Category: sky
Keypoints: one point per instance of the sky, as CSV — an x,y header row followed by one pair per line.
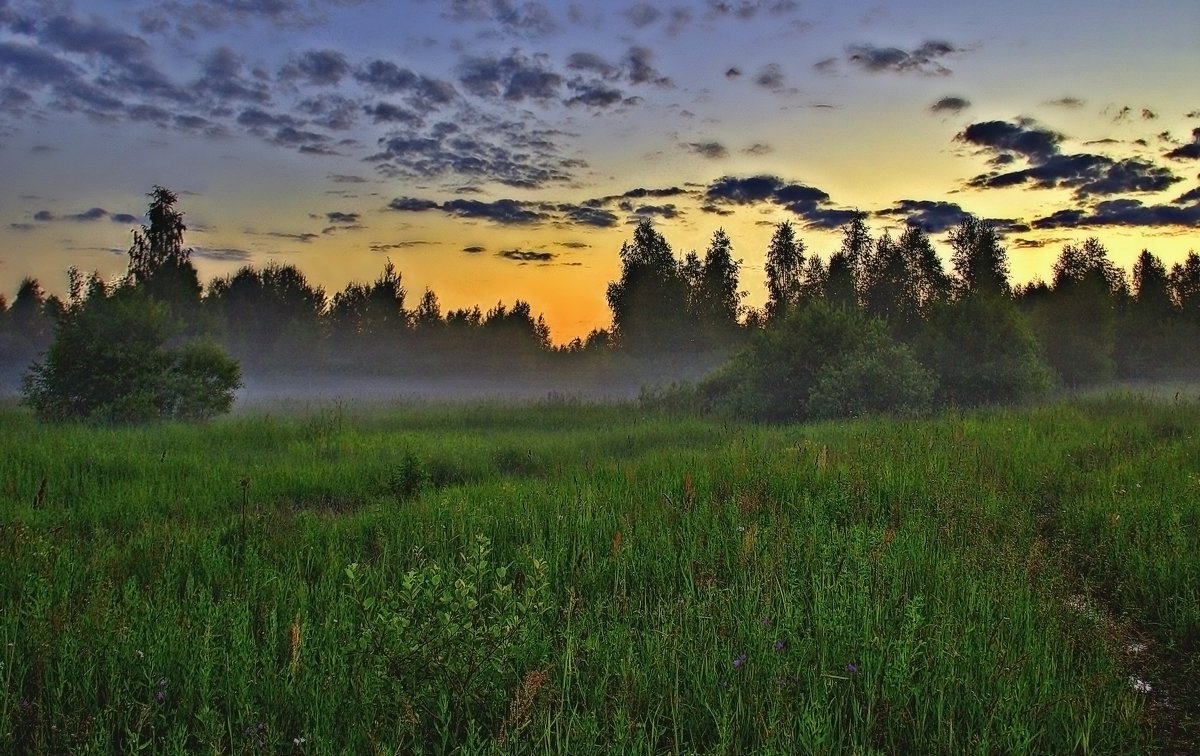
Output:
x,y
498,149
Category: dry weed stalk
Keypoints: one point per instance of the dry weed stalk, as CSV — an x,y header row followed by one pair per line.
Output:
x,y
296,642
520,708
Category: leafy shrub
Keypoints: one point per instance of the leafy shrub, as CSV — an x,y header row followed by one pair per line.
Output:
x,y
110,361
886,379
813,363
445,647
983,351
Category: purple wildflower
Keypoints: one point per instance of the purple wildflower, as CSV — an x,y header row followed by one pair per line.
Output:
x,y
765,621
780,644
739,661
852,669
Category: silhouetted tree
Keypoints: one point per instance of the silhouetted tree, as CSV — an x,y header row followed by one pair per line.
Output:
x,y
369,321
814,286
856,247
1185,287
980,262
28,329
649,302
270,316
514,332
161,264
785,271
1150,329
927,281
888,293
1076,324
713,297
840,285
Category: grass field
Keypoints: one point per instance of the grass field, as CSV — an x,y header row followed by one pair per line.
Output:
x,y
570,578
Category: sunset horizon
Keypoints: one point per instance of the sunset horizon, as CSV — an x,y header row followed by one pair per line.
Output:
x,y
496,151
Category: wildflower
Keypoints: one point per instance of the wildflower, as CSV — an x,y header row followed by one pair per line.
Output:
x,y
780,644
26,706
739,661
161,696
852,669
298,742
765,621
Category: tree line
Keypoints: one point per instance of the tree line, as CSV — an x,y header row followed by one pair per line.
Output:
x,y
880,325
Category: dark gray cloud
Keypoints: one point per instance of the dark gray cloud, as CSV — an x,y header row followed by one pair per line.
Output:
x,y
710,150
505,212
748,9
809,203
423,93
94,37
758,148
826,65
593,94
85,216
515,77
34,65
1023,138
642,15
638,61
770,77
303,238
527,255
525,19
1188,197
330,111
386,112
733,72
1187,151
590,62
91,214
1123,212
474,249
224,77
1087,175
222,254
667,211
507,152
925,59
1072,103
950,104
584,215
342,218
938,216
412,205
321,68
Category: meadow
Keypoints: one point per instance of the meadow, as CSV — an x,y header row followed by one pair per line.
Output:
x,y
560,577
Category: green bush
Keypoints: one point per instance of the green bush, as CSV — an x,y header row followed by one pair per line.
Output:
x,y
444,647
819,361
983,352
885,379
109,361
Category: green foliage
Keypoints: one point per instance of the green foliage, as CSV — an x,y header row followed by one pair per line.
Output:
x,y
110,361
982,351
880,378
809,365
445,646
967,583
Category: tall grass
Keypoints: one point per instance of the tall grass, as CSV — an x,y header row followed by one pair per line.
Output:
x,y
573,578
